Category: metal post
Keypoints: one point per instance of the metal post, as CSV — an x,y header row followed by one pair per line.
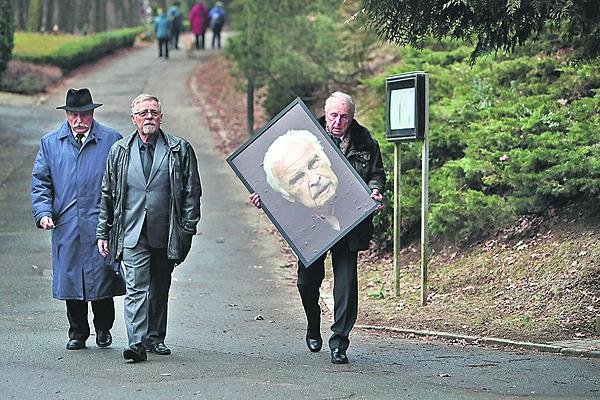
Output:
x,y
424,218
397,217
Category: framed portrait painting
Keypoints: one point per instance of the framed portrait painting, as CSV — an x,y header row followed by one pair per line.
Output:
x,y
308,189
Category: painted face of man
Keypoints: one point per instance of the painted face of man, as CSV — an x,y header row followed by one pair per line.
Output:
x,y
148,117
80,122
306,175
338,117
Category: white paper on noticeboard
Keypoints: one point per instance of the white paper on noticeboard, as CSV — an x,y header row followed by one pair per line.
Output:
x,y
402,109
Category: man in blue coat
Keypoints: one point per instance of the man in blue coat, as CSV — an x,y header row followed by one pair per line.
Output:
x,y
65,198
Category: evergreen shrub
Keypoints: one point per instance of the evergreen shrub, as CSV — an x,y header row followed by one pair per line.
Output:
x,y
76,51
509,135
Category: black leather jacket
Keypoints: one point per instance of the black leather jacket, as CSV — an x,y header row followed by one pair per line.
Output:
x,y
184,205
364,155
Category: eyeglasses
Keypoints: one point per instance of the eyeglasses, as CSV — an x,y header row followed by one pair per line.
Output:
x,y
144,113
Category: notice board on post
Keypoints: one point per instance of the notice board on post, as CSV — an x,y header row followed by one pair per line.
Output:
x,y
407,106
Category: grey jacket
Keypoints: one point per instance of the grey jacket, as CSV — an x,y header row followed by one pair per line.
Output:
x,y
184,205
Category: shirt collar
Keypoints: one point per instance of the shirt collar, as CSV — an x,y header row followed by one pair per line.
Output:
x,y
85,135
151,142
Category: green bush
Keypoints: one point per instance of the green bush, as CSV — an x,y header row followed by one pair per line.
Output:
x,y
512,134
6,33
80,50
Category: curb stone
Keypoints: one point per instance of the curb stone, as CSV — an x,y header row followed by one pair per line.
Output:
x,y
548,348
567,348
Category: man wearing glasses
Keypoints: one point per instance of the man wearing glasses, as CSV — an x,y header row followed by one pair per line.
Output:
x,y
149,210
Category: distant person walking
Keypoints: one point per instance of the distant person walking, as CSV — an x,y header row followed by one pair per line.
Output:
x,y
162,30
217,20
176,18
65,198
199,23
149,211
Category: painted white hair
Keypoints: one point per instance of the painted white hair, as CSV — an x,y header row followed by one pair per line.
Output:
x,y
278,150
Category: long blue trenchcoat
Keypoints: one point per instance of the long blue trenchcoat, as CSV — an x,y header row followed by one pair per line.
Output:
x,y
65,186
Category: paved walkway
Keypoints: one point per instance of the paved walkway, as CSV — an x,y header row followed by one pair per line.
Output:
x,y
221,348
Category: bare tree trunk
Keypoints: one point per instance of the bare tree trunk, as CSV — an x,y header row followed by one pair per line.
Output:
x,y
20,14
55,10
66,16
133,17
34,15
100,15
84,15
44,23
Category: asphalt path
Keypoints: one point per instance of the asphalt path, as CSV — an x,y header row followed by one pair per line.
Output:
x,y
236,326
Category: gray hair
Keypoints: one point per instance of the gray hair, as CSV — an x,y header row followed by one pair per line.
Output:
x,y
141,98
278,151
346,98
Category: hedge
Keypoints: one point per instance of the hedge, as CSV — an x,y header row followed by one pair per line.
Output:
x,y
80,50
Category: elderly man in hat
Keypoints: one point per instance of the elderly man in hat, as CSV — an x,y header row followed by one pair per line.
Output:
x,y
65,198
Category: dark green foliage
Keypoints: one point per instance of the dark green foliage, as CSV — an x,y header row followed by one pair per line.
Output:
x,y
289,48
6,33
490,25
508,136
91,48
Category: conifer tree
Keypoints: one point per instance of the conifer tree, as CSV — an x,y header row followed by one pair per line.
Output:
x,y
6,33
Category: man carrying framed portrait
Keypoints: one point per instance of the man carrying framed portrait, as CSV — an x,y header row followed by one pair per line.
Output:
x,y
297,167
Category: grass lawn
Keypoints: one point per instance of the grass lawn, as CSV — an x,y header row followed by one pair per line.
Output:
x,y
30,44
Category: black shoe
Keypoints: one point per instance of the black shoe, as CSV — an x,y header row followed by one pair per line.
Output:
x,y
75,344
136,353
160,349
103,339
338,356
314,344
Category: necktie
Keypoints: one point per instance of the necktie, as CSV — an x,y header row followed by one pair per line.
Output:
x,y
146,150
80,140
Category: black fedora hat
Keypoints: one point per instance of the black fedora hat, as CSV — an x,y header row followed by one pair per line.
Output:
x,y
79,100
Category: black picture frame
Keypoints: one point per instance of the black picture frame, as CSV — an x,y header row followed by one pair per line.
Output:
x,y
307,232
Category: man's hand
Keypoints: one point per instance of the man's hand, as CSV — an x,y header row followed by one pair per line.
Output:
x,y
103,247
377,196
47,223
255,200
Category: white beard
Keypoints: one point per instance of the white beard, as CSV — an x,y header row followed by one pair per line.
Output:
x,y
149,129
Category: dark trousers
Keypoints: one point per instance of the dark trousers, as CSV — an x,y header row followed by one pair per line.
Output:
x,y
163,47
216,39
345,293
200,42
77,314
148,280
175,37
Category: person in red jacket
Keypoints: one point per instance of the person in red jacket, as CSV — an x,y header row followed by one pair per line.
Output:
x,y
199,23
